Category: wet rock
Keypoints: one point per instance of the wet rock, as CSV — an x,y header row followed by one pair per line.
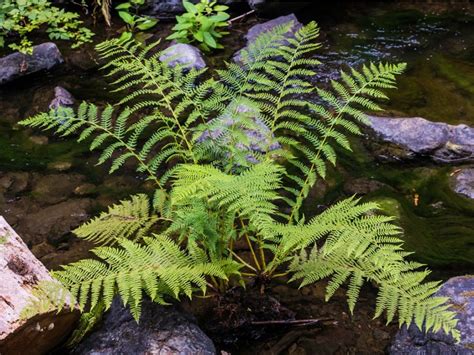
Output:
x,y
168,9
161,330
183,54
45,56
85,189
55,188
39,140
257,30
463,182
362,186
412,341
62,98
14,182
419,137
277,6
60,165
55,223
19,272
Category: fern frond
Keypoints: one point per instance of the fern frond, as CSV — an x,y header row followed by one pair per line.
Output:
x,y
159,268
131,219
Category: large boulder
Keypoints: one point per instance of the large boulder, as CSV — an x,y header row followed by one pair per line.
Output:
x,y
260,28
418,137
45,56
20,272
412,341
161,330
463,182
183,54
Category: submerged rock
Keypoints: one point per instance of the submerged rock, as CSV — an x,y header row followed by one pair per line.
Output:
x,y
412,341
260,28
184,54
418,137
161,330
62,98
463,182
45,56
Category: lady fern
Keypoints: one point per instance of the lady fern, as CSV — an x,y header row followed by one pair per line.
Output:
x,y
233,157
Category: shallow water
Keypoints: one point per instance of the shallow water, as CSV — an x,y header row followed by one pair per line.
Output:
x,y
439,85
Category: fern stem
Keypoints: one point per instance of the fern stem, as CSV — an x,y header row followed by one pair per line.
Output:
x,y
243,261
254,256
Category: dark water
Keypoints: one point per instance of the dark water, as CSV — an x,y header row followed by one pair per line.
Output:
x,y
438,85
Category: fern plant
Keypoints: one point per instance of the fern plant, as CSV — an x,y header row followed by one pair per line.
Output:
x,y
233,156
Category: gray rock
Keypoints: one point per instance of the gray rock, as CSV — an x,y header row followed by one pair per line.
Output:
x,y
412,341
62,98
161,330
168,9
257,132
260,28
419,137
184,54
463,182
45,56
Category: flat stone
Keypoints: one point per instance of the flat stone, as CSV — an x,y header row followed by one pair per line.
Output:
x,y
55,223
55,188
463,182
419,137
45,57
161,330
412,341
183,54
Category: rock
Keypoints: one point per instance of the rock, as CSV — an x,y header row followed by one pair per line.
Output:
x,y
45,56
39,140
412,341
257,30
55,188
258,136
85,189
362,186
161,330
419,137
14,182
60,165
54,223
62,98
20,271
277,6
168,9
184,54
463,182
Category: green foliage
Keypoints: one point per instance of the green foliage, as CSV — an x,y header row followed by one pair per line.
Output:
x,y
214,186
129,219
202,23
21,17
135,23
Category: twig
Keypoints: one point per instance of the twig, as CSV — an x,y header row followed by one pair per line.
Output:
x,y
300,322
241,16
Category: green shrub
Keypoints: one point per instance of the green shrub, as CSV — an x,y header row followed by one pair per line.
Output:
x,y
128,12
214,187
21,17
201,23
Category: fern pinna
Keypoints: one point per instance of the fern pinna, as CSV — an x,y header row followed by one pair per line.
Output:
x,y
233,157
